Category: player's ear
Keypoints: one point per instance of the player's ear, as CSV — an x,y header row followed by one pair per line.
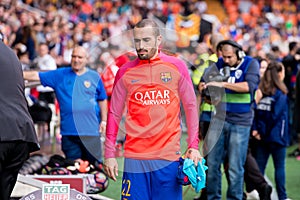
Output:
x,y
159,40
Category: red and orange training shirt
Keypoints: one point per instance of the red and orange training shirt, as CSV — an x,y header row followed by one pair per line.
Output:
x,y
151,92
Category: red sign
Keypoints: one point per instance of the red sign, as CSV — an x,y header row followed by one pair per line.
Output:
x,y
77,182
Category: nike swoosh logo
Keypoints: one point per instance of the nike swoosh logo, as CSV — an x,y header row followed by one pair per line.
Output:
x,y
134,81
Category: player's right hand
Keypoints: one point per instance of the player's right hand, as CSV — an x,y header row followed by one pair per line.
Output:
x,y
111,168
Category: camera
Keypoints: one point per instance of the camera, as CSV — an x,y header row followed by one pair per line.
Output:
x,y
212,94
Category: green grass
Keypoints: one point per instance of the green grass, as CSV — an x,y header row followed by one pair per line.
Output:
x,y
292,179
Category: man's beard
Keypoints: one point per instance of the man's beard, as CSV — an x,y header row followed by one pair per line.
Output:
x,y
143,56
147,55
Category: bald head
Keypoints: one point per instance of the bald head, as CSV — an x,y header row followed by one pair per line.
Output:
x,y
79,59
80,50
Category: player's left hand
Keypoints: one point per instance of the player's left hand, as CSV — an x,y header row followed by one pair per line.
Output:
x,y
194,155
111,168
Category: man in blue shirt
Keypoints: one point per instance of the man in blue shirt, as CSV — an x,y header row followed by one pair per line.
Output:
x,y
83,106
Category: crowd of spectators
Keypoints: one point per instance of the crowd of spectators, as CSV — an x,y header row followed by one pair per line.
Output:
x,y
63,24
258,25
263,24
264,28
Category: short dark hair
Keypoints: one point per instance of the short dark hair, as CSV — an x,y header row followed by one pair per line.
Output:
x,y
275,48
148,23
292,45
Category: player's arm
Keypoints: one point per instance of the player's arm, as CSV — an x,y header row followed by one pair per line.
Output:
x,y
237,87
114,117
249,85
189,102
31,78
31,75
103,110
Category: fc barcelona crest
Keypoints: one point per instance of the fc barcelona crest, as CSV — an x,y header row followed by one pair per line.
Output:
x,y
87,84
165,76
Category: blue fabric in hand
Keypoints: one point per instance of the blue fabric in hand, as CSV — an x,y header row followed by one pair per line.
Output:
x,y
182,178
196,174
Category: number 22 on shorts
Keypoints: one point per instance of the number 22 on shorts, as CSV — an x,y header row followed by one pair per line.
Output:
x,y
126,189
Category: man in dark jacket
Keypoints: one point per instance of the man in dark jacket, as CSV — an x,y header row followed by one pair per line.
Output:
x,y
17,133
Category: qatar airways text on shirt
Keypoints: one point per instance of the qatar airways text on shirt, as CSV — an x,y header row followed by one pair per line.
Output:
x,y
153,97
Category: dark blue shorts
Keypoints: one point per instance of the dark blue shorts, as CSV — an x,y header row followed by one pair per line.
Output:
x,y
150,179
84,147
